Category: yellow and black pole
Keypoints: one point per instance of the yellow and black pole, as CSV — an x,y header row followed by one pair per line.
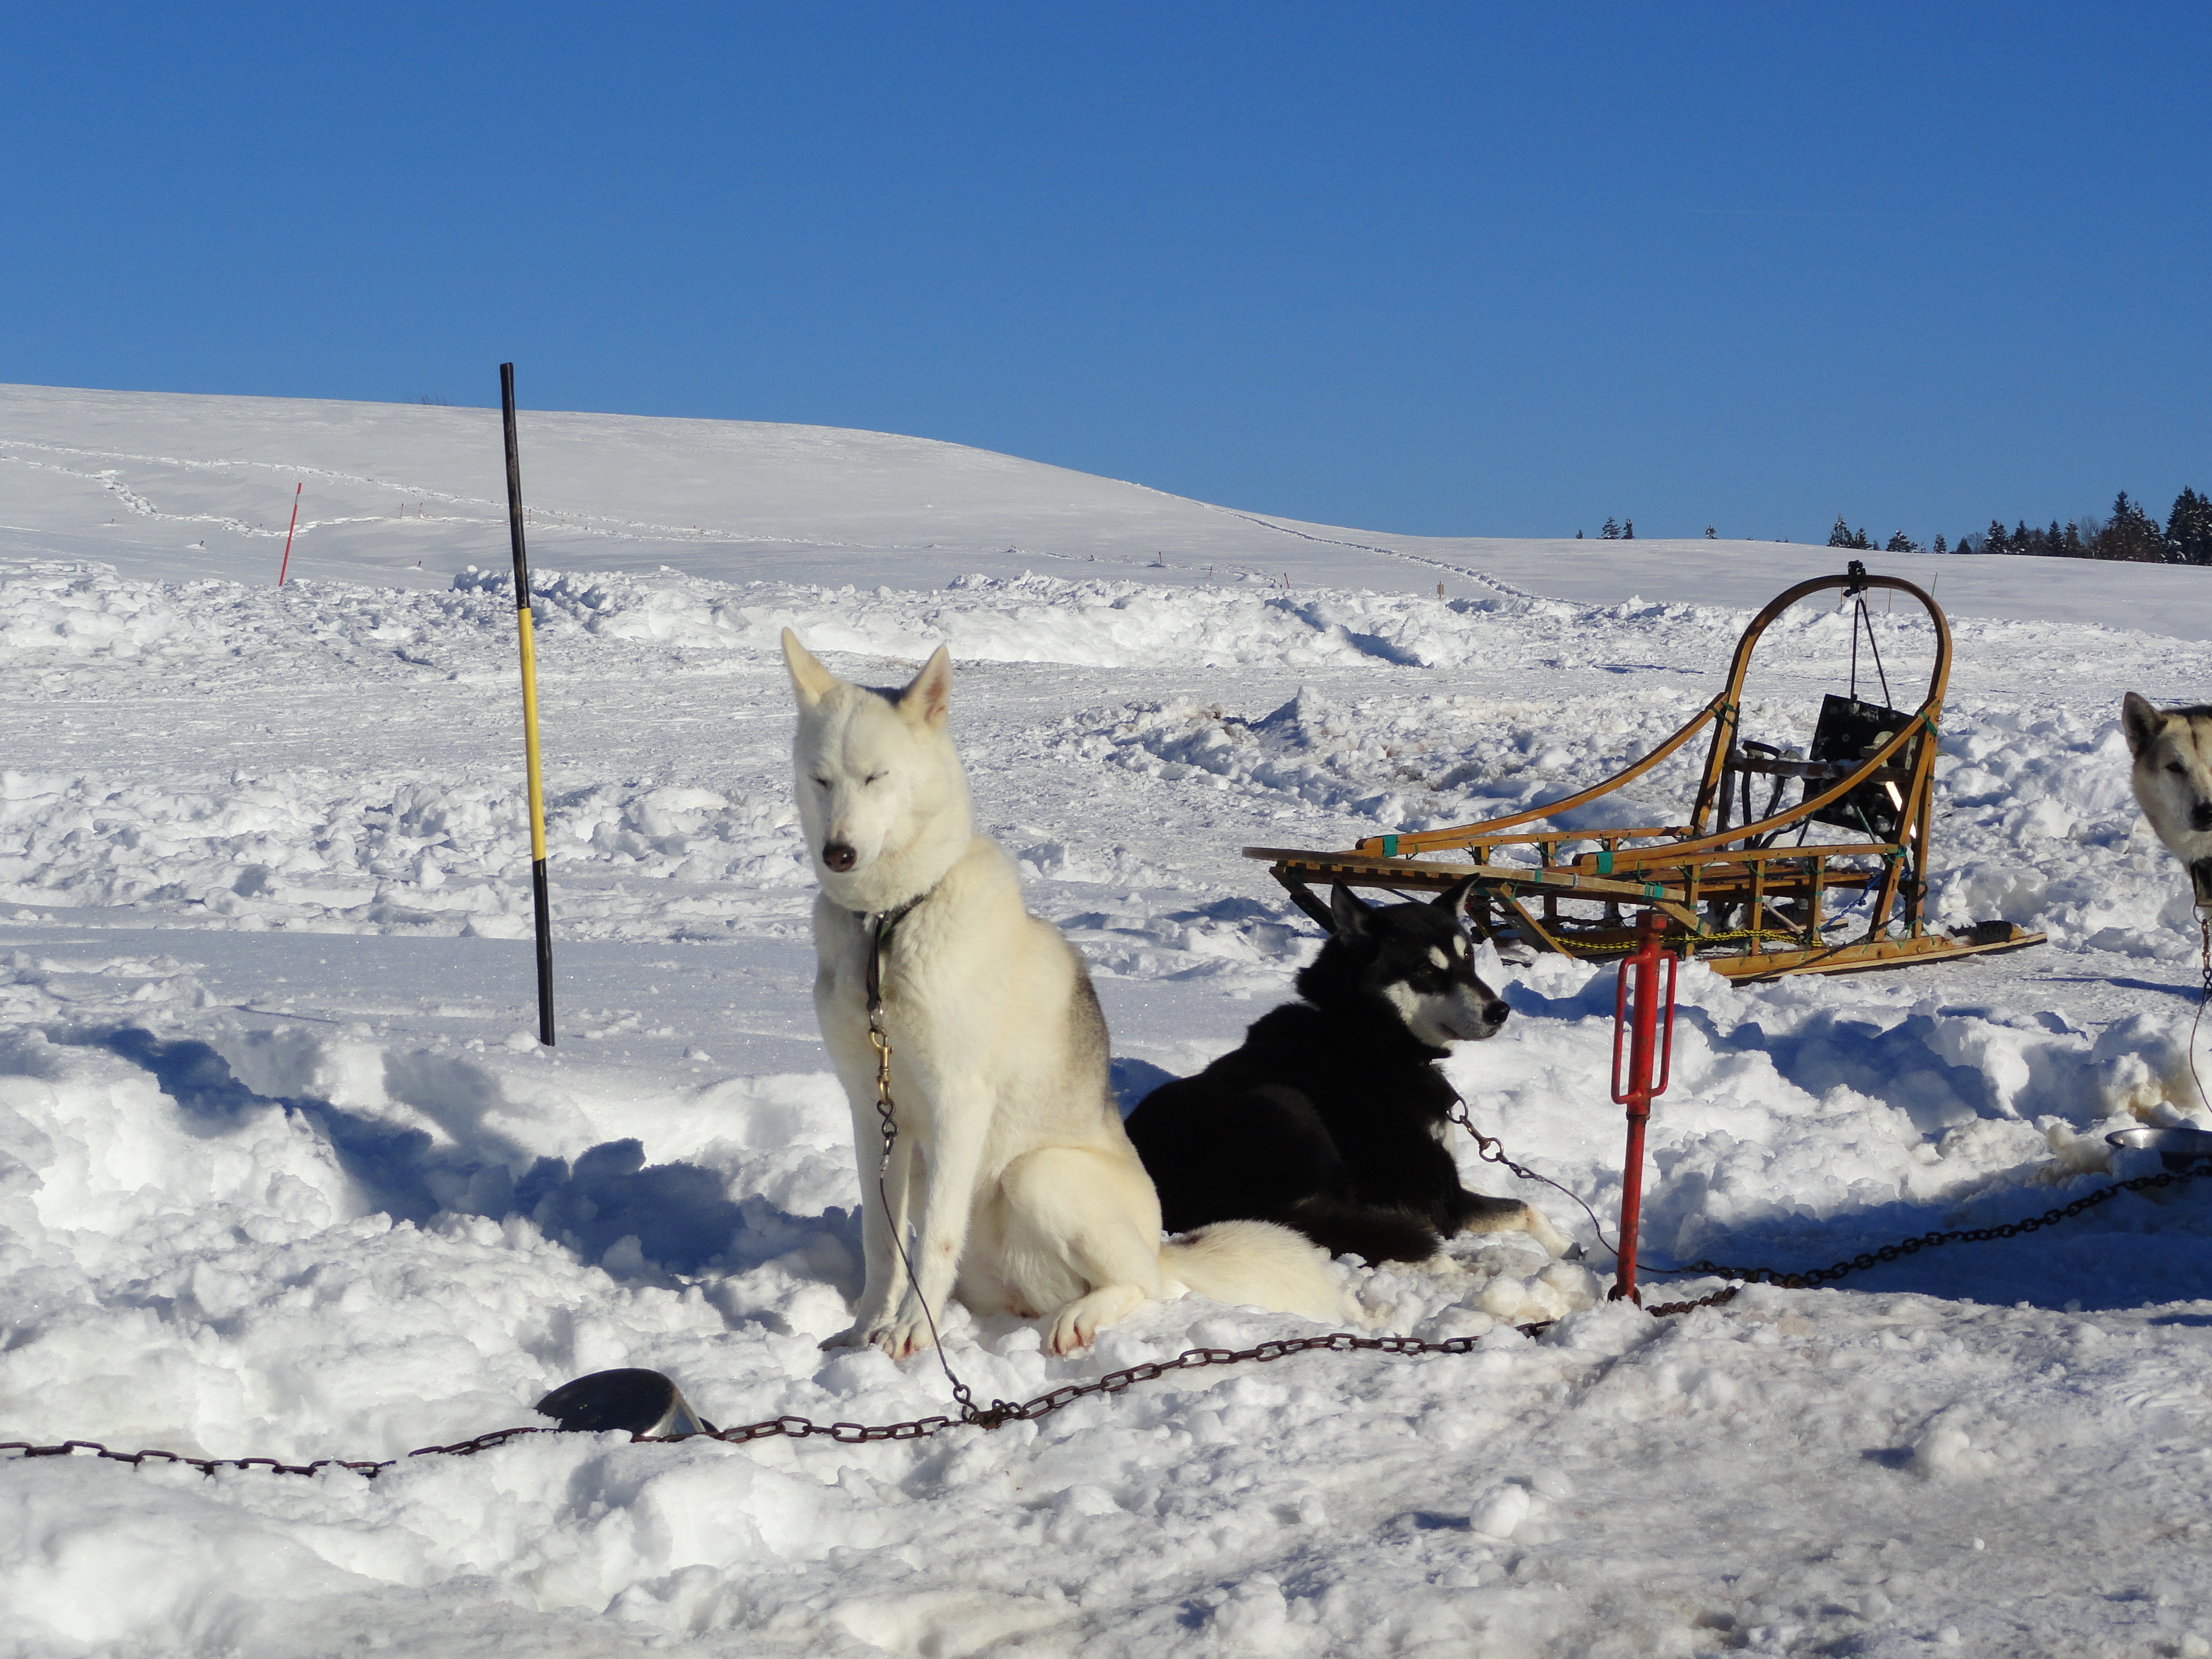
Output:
x,y
540,892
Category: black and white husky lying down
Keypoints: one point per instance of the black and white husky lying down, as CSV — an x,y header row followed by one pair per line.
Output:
x,y
1331,1118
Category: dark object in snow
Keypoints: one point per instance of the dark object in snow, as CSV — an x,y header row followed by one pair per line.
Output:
x,y
635,1401
2178,1149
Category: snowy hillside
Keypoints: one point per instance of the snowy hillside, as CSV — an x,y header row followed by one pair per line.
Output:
x,y
176,487
282,1170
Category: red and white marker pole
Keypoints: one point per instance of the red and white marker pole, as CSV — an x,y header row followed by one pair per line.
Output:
x,y
1637,1032
286,565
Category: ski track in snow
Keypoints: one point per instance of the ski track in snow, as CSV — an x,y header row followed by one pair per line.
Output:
x,y
282,1170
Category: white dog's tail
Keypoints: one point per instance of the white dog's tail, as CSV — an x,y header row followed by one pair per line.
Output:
x,y
1258,1264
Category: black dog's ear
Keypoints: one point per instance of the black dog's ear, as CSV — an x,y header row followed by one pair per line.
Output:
x,y
2140,722
1349,912
1453,899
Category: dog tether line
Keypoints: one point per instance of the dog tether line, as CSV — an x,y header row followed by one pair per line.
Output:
x,y
2200,883
1493,1151
880,924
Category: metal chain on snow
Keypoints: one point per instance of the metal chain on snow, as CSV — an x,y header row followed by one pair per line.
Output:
x,y
1810,1278
369,1468
998,1412
1002,1412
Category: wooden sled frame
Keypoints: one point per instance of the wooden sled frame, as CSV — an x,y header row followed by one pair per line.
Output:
x,y
1746,906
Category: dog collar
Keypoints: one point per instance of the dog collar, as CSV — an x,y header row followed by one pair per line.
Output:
x,y
879,924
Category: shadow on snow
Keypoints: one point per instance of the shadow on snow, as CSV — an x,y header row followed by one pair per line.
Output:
x,y
635,1219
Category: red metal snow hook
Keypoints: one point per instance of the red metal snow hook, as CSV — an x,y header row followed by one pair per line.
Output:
x,y
1639,1031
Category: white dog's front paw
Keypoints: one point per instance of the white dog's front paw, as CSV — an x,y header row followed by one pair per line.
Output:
x,y
897,1337
867,1329
1075,1326
1072,1329
902,1341
904,1335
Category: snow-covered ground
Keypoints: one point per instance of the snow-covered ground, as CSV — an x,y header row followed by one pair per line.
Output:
x,y
283,1172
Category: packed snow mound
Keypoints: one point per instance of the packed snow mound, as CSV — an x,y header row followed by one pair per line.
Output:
x,y
56,614
392,854
1030,618
1403,763
288,1188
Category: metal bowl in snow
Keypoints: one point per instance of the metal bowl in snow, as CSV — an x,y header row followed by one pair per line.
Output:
x,y
640,1401
2178,1149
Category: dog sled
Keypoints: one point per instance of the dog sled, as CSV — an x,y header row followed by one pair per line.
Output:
x,y
1832,882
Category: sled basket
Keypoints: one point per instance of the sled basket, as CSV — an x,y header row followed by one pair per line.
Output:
x,y
1751,896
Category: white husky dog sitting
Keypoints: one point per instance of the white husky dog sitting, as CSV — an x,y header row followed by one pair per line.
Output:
x,y
1022,1191
2172,778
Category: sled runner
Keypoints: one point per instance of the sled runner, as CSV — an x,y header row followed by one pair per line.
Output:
x,y
1752,897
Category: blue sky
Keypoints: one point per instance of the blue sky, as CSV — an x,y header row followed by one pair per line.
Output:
x,y
1447,270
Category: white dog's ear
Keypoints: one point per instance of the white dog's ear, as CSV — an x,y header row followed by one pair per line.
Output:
x,y
2140,722
810,680
927,700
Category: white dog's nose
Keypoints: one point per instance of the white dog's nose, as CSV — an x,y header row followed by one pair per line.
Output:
x,y
839,855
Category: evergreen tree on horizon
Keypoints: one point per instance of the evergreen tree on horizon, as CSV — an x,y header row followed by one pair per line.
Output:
x,y
2189,528
2131,534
